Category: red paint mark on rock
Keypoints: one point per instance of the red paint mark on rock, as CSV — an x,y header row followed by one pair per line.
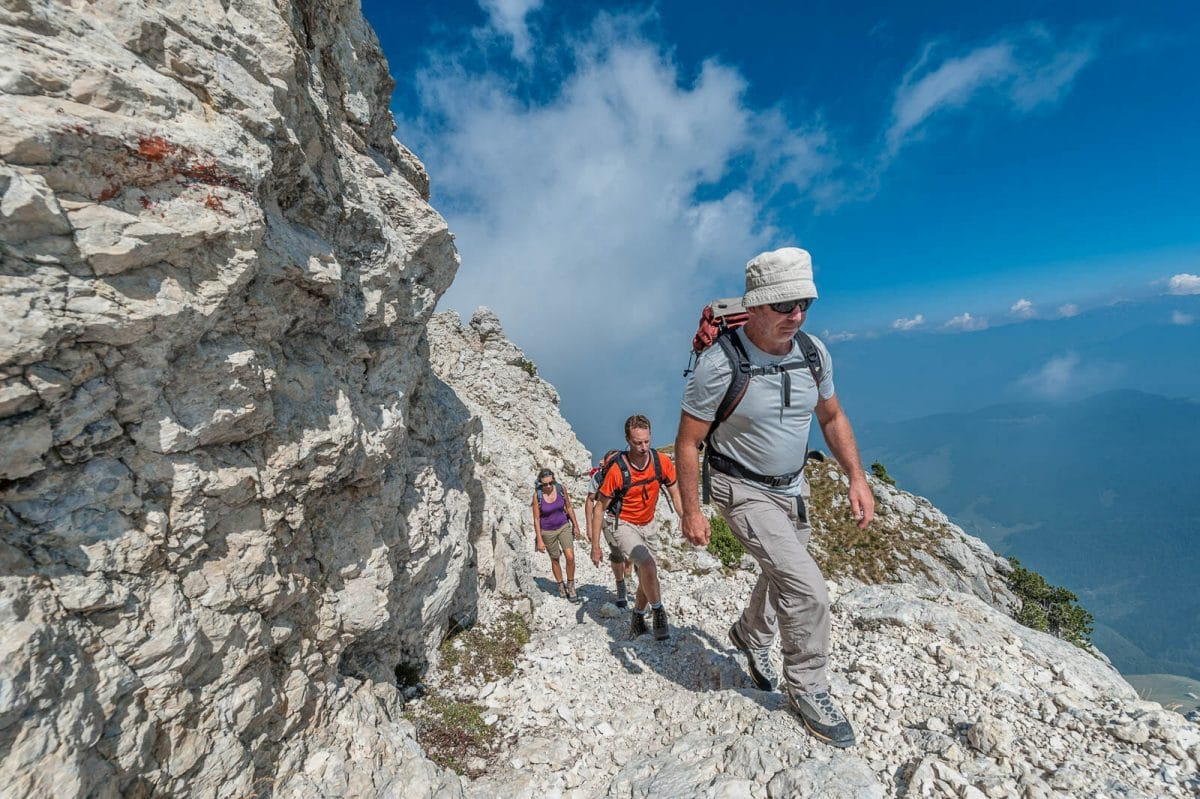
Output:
x,y
154,148
145,201
213,203
209,173
109,193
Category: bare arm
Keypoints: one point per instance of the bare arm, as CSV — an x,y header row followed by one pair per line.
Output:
x,y
537,525
588,505
598,508
571,514
676,499
835,426
692,520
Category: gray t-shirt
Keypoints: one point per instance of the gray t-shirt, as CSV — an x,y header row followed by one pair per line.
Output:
x,y
762,433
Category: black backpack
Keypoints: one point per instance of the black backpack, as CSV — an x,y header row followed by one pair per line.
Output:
x,y
718,323
620,461
742,371
731,344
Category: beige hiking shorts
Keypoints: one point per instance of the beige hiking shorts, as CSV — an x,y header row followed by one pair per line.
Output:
x,y
609,529
633,541
557,541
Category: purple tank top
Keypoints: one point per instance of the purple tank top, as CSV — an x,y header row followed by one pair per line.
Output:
x,y
554,514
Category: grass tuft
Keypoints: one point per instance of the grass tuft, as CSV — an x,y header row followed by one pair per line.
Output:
x,y
452,732
484,654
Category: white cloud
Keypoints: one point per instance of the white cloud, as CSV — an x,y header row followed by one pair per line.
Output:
x,y
1025,69
966,322
1054,378
1023,309
1181,318
1068,310
1184,284
507,18
609,210
909,324
1066,376
834,338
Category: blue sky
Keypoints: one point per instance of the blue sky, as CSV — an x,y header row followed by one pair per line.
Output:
x,y
951,167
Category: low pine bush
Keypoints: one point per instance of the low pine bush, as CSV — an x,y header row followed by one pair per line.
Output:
x,y
1049,608
723,544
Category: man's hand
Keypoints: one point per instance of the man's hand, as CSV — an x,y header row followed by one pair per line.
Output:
x,y
695,528
541,545
862,503
596,554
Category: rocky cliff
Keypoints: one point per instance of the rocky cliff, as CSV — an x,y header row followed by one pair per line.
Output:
x,y
248,482
235,495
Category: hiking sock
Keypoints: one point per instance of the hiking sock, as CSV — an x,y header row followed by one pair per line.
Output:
x,y
656,605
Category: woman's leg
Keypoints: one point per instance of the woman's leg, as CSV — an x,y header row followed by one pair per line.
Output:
x,y
554,567
570,554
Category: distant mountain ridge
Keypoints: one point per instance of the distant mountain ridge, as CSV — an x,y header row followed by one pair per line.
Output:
x,y
1097,494
1130,345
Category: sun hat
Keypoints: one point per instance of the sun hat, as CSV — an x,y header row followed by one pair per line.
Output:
x,y
778,276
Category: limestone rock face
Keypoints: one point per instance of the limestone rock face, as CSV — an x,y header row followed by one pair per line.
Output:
x,y
235,496
521,430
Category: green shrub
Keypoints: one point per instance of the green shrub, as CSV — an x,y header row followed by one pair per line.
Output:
x,y
452,732
529,366
483,654
881,472
723,544
1049,608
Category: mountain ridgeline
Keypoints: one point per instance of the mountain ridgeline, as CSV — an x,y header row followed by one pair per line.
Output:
x,y
1098,495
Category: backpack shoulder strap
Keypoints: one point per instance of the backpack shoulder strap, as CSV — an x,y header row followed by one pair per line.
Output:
x,y
812,357
617,498
739,362
658,472
618,461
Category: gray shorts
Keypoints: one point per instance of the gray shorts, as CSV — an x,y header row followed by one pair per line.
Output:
x,y
633,542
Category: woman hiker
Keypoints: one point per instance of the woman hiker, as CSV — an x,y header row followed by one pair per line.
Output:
x,y
552,512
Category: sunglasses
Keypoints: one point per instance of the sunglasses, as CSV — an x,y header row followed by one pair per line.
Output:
x,y
547,485
791,305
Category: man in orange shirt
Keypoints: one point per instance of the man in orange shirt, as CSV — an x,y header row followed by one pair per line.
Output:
x,y
629,491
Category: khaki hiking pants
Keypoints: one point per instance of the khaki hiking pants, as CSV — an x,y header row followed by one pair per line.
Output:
x,y
790,597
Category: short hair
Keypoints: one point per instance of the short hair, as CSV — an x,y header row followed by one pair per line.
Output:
x,y
636,422
545,473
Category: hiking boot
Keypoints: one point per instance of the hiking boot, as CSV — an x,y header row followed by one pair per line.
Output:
x,y
622,595
571,595
759,660
562,590
822,717
637,624
661,630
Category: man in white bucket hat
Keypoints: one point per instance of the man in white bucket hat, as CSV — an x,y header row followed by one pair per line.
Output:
x,y
751,401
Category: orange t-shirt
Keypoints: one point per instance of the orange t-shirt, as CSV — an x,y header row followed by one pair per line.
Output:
x,y
637,506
